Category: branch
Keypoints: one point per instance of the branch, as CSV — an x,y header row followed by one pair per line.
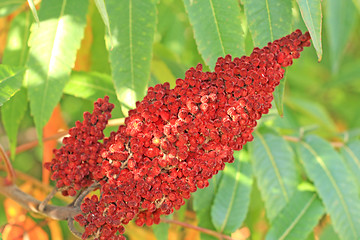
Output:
x,y
31,204
11,176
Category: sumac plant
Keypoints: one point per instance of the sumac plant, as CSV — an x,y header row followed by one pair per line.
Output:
x,y
215,149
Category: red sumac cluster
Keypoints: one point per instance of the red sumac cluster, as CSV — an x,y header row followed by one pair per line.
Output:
x,y
173,142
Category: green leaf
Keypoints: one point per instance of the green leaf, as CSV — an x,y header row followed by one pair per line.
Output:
x,y
357,4
90,86
16,48
9,6
298,218
100,5
203,200
10,82
279,96
233,196
33,10
275,171
161,231
268,19
335,185
217,28
312,16
53,47
340,20
328,233
12,112
351,153
162,72
132,24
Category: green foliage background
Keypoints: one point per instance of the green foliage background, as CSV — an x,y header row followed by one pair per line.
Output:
x,y
304,163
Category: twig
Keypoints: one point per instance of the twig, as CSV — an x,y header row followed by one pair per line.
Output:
x,y
81,197
31,204
200,229
72,228
43,204
11,176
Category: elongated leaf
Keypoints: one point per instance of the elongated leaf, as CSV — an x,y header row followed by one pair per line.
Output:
x,y
298,218
9,6
10,82
312,16
100,4
15,54
233,196
132,24
217,28
268,19
357,4
53,47
162,72
279,96
275,171
203,200
351,153
334,184
33,10
12,112
161,231
90,85
339,22
16,49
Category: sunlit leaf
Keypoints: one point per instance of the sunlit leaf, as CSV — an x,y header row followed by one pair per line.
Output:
x,y
335,185
10,82
275,171
233,196
33,10
53,47
217,28
100,4
132,24
268,19
298,218
312,16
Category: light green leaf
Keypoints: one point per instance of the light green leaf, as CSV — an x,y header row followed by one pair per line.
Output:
x,y
16,48
335,185
9,6
90,86
10,82
217,28
268,19
298,218
162,72
132,24
233,196
279,95
351,153
340,20
161,231
53,47
12,112
357,4
312,16
100,4
33,10
275,171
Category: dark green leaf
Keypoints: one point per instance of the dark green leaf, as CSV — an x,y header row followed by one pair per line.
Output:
x,y
53,47
132,24
217,28
9,6
16,49
10,82
340,19
275,171
268,19
312,16
351,153
334,184
233,196
12,112
298,218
